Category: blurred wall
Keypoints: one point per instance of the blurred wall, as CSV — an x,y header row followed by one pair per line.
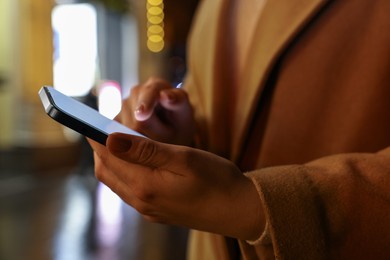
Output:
x,y
26,63
26,54
6,95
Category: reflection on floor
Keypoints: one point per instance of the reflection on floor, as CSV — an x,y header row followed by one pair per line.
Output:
x,y
69,215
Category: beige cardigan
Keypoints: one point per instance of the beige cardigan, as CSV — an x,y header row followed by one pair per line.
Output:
x,y
319,73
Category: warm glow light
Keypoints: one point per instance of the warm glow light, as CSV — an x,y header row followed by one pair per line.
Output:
x,y
155,46
75,45
155,29
110,99
155,25
155,38
155,20
155,10
155,2
109,216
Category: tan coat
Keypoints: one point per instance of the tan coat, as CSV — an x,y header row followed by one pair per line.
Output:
x,y
314,108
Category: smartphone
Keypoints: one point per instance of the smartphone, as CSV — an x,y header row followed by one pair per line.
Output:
x,y
80,117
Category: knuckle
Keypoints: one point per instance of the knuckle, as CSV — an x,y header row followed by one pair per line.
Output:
x,y
134,90
152,79
98,171
154,219
115,186
125,105
157,83
145,152
144,209
99,167
144,193
104,159
189,156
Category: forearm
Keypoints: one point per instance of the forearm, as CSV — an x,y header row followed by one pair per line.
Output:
x,y
330,205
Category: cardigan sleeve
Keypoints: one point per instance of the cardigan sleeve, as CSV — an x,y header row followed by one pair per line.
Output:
x,y
333,207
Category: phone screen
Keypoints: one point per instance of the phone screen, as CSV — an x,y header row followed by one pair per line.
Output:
x,y
80,117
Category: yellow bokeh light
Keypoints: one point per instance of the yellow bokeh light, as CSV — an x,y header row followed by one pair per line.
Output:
x,y
148,6
155,38
155,10
155,46
149,15
155,25
156,30
155,19
155,2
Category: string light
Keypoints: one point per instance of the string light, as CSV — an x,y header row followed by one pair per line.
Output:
x,y
155,25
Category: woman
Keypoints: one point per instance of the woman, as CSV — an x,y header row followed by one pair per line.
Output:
x,y
293,93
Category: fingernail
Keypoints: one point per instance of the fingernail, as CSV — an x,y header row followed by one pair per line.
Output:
x,y
140,109
119,144
139,112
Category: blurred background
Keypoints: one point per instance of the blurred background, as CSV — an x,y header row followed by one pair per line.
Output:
x,y
51,206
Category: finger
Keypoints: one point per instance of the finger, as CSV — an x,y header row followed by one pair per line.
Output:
x,y
111,180
148,97
123,178
130,182
174,99
144,205
118,117
96,147
138,150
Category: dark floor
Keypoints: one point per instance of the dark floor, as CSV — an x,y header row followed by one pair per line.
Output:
x,y
66,214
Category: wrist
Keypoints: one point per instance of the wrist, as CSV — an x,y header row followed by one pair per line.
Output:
x,y
243,214
250,212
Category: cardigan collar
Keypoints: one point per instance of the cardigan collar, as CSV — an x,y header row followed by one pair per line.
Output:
x,y
280,22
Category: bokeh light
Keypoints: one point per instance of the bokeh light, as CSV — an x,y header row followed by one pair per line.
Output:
x,y
155,25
